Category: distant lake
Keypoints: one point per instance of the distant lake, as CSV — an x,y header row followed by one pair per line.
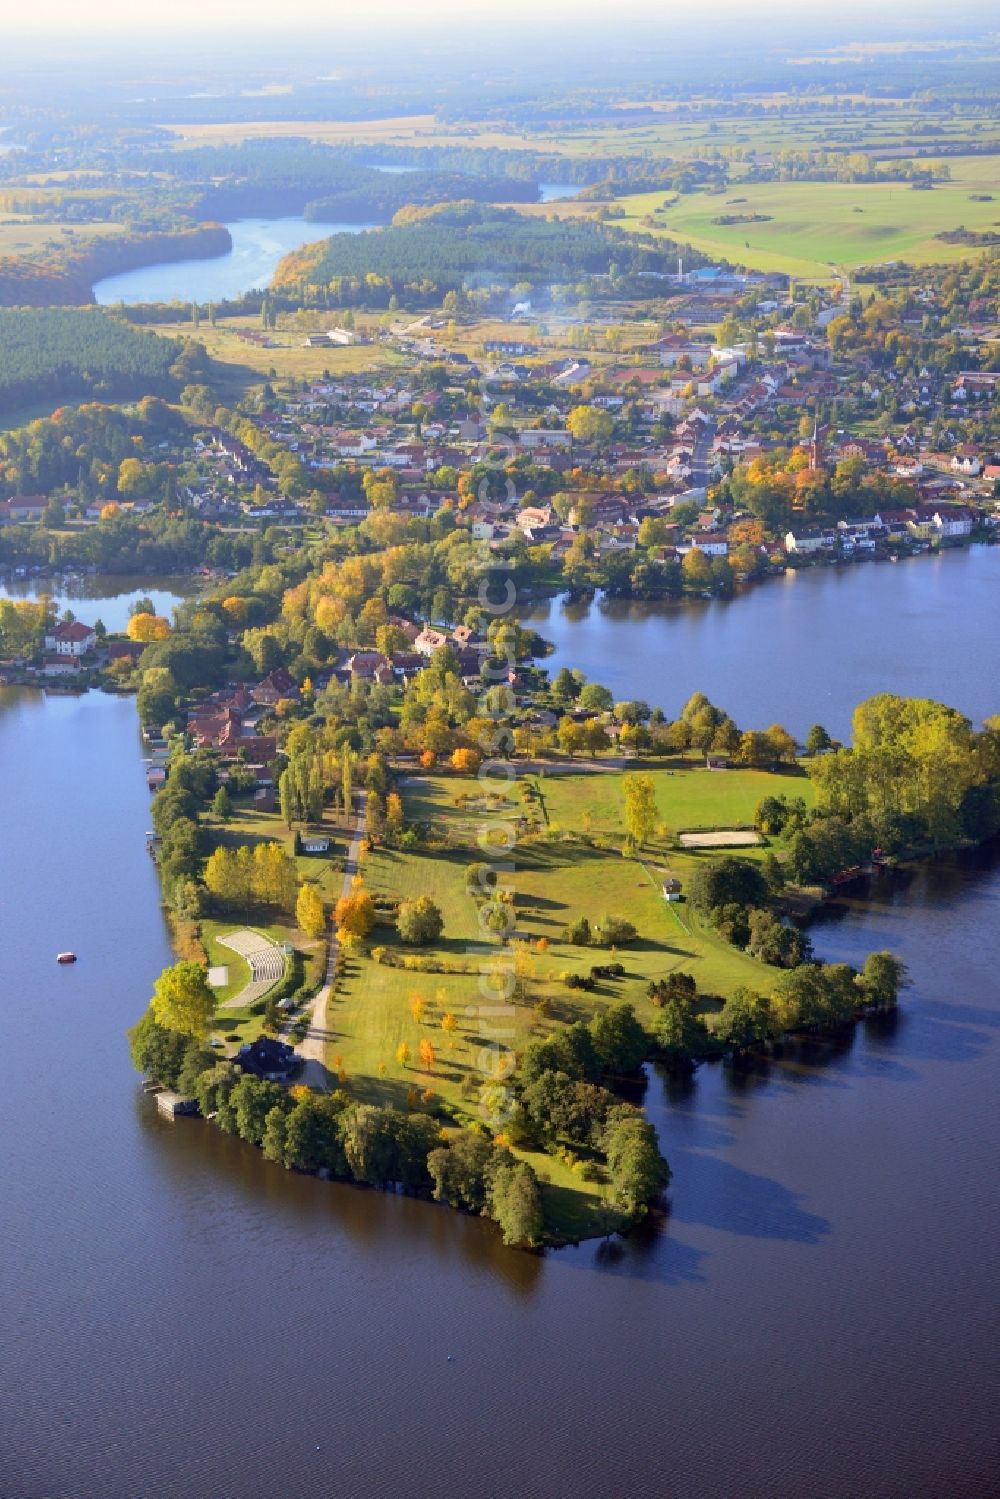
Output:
x,y
548,192
258,245
551,192
108,599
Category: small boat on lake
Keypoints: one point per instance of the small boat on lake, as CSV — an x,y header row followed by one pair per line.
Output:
x,y
66,957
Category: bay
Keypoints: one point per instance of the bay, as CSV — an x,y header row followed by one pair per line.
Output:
x,y
799,649
258,245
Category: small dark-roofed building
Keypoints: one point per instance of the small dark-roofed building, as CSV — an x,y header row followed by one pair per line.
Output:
x,y
125,650
267,1058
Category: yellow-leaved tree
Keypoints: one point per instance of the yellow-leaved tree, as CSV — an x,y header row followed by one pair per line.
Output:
x,y
355,913
309,911
148,627
182,1000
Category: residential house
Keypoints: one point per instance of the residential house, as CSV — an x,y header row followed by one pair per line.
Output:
x,y
806,541
60,666
275,686
967,461
545,437
712,543
70,638
954,523
23,507
429,641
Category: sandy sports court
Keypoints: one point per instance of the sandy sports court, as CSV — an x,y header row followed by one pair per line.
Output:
x,y
721,838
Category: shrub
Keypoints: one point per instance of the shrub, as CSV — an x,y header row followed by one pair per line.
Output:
x,y
727,882
419,921
579,933
615,931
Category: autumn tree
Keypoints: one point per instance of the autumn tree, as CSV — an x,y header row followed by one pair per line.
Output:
x,y
147,628
182,1000
419,921
355,913
640,809
589,424
696,569
428,1056
466,761
347,762
309,911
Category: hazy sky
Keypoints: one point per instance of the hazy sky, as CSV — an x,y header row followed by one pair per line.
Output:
x,y
70,15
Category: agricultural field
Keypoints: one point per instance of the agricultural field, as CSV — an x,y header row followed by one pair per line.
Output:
x,y
240,364
677,130
815,228
20,234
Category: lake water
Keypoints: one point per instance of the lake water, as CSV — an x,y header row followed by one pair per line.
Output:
x,y
258,245
548,192
803,648
814,1317
108,599
551,192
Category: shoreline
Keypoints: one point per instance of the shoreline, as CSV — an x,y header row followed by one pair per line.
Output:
x,y
533,598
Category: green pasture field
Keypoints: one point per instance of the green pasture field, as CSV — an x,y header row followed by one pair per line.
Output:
x,y
816,228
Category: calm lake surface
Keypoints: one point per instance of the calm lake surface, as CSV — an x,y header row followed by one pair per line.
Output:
x,y
258,245
801,649
816,1315
108,599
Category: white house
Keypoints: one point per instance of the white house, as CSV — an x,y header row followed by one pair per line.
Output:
x,y
71,639
712,543
804,542
429,641
28,507
545,437
949,523
60,666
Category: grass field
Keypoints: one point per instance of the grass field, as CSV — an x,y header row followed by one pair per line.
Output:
x,y
21,235
236,1024
687,797
815,228
239,364
556,877
554,881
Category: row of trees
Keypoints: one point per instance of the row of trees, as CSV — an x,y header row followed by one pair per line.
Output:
x,y
916,772
304,1131
562,1101
262,876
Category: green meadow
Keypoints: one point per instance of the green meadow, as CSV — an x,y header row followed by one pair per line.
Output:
x,y
814,229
